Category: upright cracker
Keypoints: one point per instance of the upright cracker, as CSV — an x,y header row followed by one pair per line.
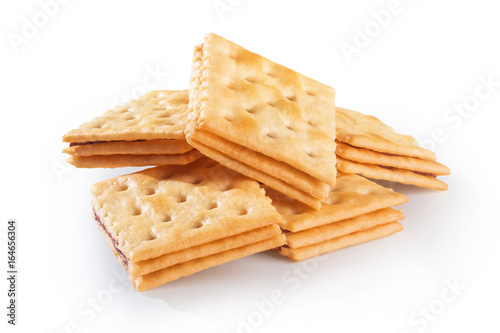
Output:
x,y
367,156
352,196
170,208
158,114
383,230
368,132
392,174
244,101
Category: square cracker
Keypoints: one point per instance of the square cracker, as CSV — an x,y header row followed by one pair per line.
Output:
x,y
239,97
142,147
368,132
170,208
363,155
383,230
392,174
118,161
351,196
170,259
156,115
341,228
169,274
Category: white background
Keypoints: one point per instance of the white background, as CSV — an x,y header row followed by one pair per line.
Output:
x,y
411,70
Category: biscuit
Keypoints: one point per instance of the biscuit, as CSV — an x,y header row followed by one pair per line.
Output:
x,y
118,161
379,231
367,156
244,102
341,228
171,208
351,196
392,174
360,130
142,147
170,259
156,115
169,274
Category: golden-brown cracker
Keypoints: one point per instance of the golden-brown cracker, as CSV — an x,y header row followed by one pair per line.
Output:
x,y
143,147
156,115
168,274
396,161
170,208
256,174
262,106
273,168
302,253
369,132
250,237
341,228
352,196
392,174
118,161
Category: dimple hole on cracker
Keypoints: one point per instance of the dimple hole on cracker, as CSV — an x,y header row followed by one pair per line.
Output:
x,y
166,218
197,181
291,98
251,80
121,187
309,92
136,211
213,205
250,110
271,135
151,236
150,191
181,198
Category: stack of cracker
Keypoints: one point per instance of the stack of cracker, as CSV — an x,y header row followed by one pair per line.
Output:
x,y
357,210
368,147
145,131
172,221
263,120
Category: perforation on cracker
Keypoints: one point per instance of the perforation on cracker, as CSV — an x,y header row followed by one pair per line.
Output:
x,y
170,208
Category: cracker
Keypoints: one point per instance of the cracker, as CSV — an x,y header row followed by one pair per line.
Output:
x,y
392,174
143,147
169,274
280,170
253,173
396,161
352,196
117,161
341,228
256,104
170,208
368,132
156,115
154,264
383,230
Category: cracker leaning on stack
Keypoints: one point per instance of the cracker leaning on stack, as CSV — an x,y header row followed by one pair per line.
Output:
x,y
262,119
279,140
145,131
